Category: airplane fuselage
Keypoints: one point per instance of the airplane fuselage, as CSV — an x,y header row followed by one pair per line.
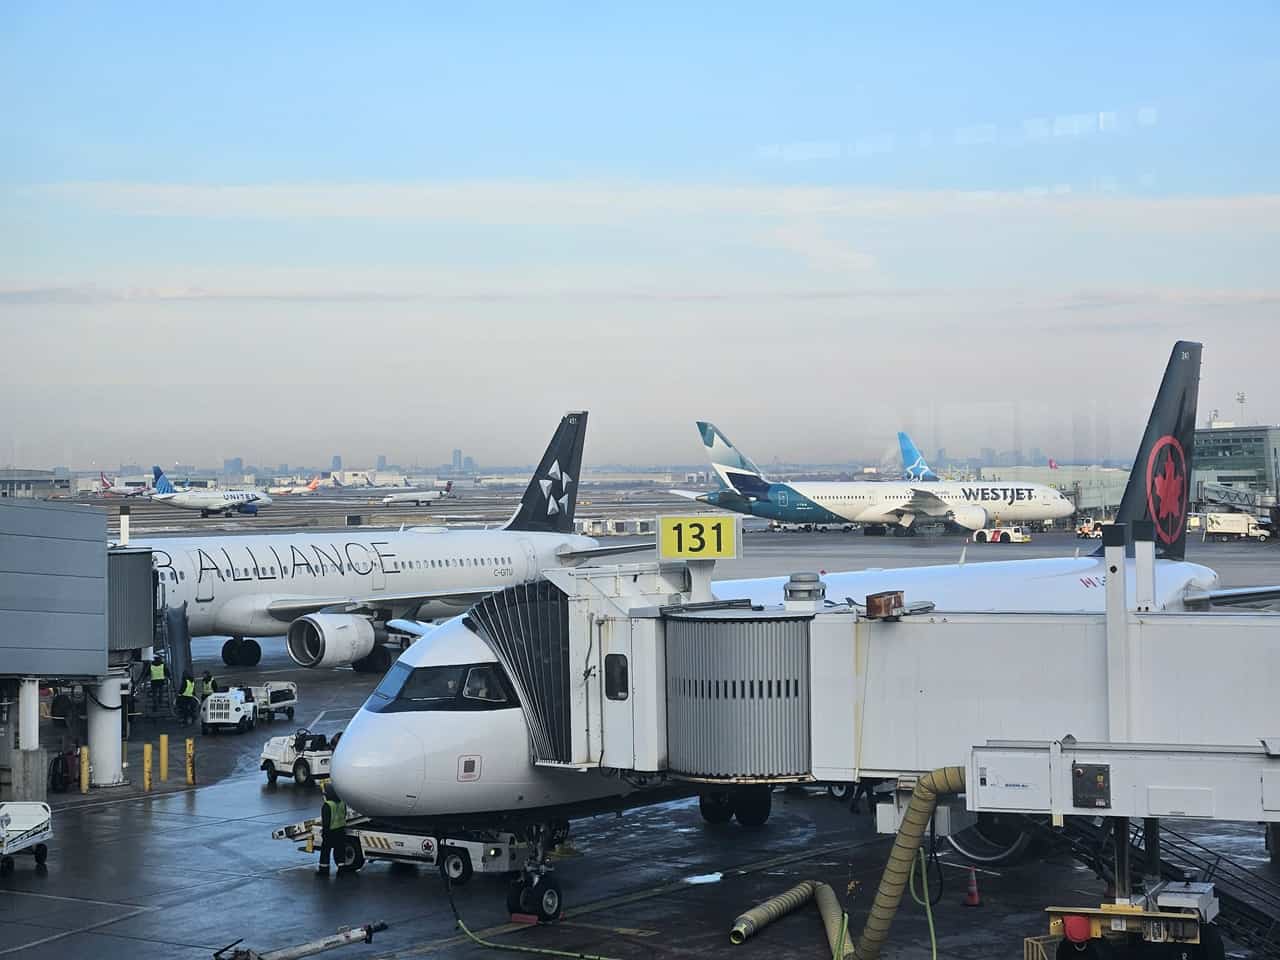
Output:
x,y
229,582
214,501
896,502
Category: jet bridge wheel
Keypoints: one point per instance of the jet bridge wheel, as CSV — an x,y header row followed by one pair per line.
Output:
x,y
716,807
752,805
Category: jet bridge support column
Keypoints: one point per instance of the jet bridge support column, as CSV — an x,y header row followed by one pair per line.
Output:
x,y
105,731
29,714
1117,614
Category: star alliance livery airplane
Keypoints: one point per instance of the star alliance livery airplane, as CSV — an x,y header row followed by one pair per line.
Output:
x,y
897,504
331,594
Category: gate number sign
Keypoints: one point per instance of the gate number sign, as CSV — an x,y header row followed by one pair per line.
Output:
x,y
698,538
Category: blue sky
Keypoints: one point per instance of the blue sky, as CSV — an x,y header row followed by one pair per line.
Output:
x,y
854,174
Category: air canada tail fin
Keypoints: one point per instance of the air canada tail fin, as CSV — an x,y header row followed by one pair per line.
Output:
x,y
162,484
734,470
913,464
552,495
1159,487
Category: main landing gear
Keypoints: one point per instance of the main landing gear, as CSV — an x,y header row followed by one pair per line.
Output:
x,y
239,652
536,890
750,805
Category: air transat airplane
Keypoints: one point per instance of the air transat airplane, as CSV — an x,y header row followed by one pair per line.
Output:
x,y
448,700
913,463
225,502
897,504
332,594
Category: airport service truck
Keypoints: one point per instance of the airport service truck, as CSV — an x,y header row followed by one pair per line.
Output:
x,y
1234,526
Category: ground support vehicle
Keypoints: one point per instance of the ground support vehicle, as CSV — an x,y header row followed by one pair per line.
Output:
x,y
1234,526
275,696
1161,922
1002,535
302,755
233,709
24,827
457,858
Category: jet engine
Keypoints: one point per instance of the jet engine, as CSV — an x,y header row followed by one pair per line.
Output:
x,y
251,508
330,639
969,517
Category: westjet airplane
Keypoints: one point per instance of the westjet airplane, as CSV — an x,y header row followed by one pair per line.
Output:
x,y
332,594
877,504
208,502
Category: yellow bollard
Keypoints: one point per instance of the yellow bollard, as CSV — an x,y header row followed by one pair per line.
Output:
x,y
164,758
84,769
191,761
146,767
311,842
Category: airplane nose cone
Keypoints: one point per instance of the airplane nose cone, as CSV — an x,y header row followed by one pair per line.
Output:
x,y
379,766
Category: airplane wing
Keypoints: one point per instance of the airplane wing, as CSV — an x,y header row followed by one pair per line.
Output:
x,y
921,502
688,494
1234,597
288,610
595,553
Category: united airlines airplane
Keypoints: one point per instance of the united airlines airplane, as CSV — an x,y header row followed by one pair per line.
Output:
x,y
897,504
225,502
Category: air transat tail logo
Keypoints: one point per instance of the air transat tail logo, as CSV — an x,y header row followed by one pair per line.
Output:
x,y
1167,488
556,479
918,470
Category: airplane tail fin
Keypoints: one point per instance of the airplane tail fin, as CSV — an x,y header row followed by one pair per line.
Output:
x,y
734,470
1159,487
448,487
913,463
106,484
551,498
315,482
336,482
162,483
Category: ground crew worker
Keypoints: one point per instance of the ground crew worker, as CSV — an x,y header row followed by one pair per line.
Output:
x,y
333,833
188,706
206,686
157,682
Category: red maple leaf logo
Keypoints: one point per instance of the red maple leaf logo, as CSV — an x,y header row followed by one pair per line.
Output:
x,y
1169,487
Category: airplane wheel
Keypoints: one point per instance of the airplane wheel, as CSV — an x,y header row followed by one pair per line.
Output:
x,y
716,807
753,805
301,772
455,866
231,652
352,855
250,653
542,898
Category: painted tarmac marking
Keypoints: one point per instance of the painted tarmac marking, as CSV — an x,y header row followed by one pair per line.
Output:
x,y
621,931
50,896
87,928
621,900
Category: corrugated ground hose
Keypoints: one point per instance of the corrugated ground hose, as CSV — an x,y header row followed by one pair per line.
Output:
x,y
940,782
761,915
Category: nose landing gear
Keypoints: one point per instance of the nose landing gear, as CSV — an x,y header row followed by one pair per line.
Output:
x,y
536,891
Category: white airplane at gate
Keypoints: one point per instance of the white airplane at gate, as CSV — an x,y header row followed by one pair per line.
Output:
x,y
331,593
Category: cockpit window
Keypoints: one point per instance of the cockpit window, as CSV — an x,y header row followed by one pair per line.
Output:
x,y
481,686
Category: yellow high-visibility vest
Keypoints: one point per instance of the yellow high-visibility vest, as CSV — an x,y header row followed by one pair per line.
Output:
x,y
157,671
189,689
337,814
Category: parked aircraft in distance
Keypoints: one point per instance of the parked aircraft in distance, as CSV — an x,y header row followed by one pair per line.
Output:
x,y
209,501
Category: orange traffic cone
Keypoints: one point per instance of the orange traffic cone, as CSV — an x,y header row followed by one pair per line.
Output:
x,y
971,898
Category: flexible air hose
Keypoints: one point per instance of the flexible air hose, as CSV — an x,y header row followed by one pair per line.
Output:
x,y
760,916
944,780
834,921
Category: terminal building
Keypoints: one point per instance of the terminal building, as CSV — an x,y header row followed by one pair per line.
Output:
x,y
19,484
1243,458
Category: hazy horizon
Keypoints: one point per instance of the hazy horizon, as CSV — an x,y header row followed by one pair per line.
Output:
x,y
283,233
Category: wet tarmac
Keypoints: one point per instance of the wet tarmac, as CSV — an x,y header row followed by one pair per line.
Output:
x,y
185,871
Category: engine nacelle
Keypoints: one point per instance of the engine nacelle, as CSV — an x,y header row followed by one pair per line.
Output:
x,y
969,517
248,508
330,639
